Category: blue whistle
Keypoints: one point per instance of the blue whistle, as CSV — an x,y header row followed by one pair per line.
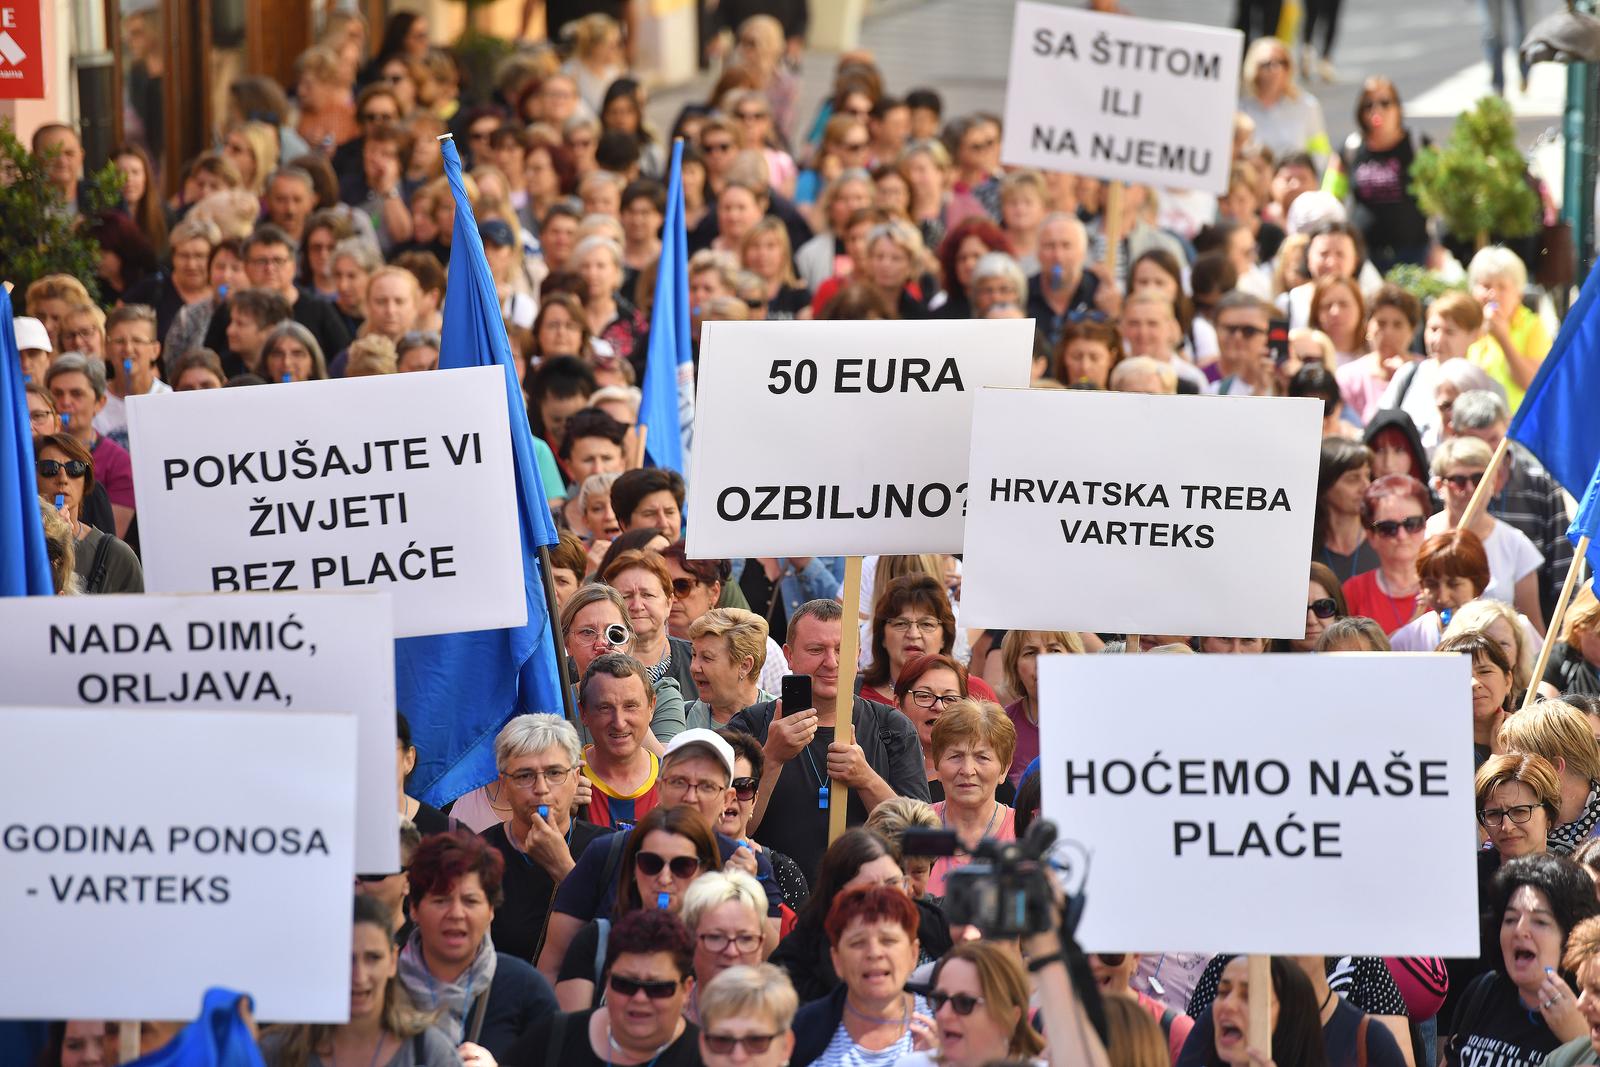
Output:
x,y
127,367
1444,616
61,500
222,292
544,811
66,418
663,900
1055,274
286,378
822,797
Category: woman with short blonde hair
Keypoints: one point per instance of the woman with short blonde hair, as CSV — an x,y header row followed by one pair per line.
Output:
x,y
1561,734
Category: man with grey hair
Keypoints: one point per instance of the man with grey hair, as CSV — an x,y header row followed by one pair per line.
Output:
x,y
1531,500
77,383
537,757
270,255
291,198
133,349
1063,291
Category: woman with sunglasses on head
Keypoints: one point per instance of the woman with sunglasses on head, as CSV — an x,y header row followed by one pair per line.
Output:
x,y
1459,464
1324,603
665,852
1394,511
746,1015
1113,973
648,970
1372,174
981,1014
64,471
725,913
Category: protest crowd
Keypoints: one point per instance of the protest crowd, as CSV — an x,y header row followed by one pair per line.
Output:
x,y
655,884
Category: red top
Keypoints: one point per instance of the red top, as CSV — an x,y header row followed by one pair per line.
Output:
x,y
1364,597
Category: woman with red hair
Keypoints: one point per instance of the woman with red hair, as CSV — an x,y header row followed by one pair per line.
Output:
x,y
967,242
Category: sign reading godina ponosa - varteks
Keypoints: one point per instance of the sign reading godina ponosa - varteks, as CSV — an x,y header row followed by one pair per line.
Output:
x,y
399,482
1129,513
1122,98
177,850
287,652
840,438
1281,806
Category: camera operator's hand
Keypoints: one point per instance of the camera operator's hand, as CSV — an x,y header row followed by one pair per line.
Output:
x,y
1048,942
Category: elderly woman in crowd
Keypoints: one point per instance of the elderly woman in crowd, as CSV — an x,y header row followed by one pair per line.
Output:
x,y
729,647
646,585
1574,665
65,474
997,280
383,1016
1562,734
725,912
1523,1009
912,617
1491,689
609,314
973,743
665,853
648,970
1459,464
1514,340
926,685
869,1016
485,999
291,354
1019,659
858,859
698,585
1394,511
745,1017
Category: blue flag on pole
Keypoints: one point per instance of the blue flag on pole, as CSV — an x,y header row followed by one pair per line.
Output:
x,y
668,404
1557,420
458,689
24,565
1587,524
218,1038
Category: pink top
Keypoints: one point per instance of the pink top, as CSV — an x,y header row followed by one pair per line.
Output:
x,y
1361,387
1002,827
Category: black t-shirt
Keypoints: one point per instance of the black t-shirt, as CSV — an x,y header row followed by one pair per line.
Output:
x,y
788,303
519,922
1570,673
1381,205
563,1041
1494,1029
1339,1040
1363,980
311,311
1344,568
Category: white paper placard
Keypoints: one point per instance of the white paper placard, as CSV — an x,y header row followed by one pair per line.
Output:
x,y
398,482
1259,808
294,652
1122,98
840,438
1130,513
178,850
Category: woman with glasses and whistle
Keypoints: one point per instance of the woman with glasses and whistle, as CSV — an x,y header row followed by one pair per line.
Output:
x,y
65,472
648,968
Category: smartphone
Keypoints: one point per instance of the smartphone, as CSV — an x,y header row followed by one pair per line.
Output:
x,y
796,693
1278,341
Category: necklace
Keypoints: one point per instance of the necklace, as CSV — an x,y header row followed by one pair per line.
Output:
x,y
949,861
1324,1005
905,1014
616,1049
1401,616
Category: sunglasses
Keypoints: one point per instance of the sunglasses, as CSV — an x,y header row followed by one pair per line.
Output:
x,y
650,864
628,987
1392,527
745,788
1324,608
1463,482
963,1003
1374,105
682,587
369,879
723,1044
49,468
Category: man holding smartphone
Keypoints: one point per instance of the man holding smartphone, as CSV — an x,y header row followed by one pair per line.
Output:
x,y
803,761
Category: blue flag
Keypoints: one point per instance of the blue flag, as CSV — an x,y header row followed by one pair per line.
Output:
x,y
458,689
218,1038
1557,419
24,565
1587,524
668,404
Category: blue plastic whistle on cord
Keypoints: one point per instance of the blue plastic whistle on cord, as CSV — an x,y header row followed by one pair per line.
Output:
x,y
544,811
127,367
286,378
61,501
66,418
663,900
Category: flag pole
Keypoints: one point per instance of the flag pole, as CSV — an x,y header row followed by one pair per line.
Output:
x,y
1555,620
569,706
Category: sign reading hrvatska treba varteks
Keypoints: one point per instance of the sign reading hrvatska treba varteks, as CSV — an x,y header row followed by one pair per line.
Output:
x,y
840,438
1121,98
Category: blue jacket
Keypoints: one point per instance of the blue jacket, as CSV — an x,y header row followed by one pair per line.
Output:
x,y
814,1026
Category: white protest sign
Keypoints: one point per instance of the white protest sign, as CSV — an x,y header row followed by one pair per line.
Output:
x,y
840,438
293,652
177,850
1259,795
399,482
1130,513
1122,98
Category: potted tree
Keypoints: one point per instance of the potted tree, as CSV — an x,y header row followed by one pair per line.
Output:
x,y
1478,184
39,235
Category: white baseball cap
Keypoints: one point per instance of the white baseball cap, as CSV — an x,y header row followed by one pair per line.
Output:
x,y
32,334
701,736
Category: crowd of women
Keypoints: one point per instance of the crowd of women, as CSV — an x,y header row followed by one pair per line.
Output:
x,y
654,883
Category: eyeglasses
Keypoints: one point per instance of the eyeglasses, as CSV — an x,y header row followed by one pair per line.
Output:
x,y
1392,527
1324,608
923,626
688,788
371,879
269,261
1376,103
79,335
926,698
1281,64
379,116
650,864
616,635
745,788
553,776
723,1044
963,1003
49,468
1518,813
716,942
682,587
1235,329
1463,482
854,146
719,147
628,987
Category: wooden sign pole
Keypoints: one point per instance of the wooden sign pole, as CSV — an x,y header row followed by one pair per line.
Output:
x,y
1578,556
1113,226
1260,1036
1130,643
1485,490
128,1041
849,653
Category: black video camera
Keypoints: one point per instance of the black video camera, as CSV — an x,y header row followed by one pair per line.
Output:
x,y
1005,891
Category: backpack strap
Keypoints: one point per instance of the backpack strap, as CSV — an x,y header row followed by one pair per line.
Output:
x,y
1405,387
558,1035
97,567
603,935
480,1008
419,1047
614,849
1361,1041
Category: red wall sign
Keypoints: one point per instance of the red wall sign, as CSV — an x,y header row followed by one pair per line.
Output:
x,y
21,51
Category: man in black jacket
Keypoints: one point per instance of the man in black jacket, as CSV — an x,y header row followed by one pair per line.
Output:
x,y
269,261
